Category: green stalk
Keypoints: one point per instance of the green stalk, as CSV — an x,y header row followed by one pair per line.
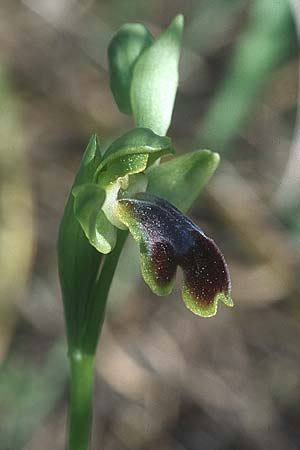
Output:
x,y
80,419
82,360
99,296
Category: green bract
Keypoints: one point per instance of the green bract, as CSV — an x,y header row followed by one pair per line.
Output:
x,y
125,48
144,74
155,80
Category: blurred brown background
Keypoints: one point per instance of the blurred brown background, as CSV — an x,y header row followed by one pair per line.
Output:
x,y
166,379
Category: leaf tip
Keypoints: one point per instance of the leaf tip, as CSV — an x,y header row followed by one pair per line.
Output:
x,y
178,21
214,157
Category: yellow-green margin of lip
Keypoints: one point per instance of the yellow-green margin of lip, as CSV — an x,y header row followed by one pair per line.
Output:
x,y
149,279
124,215
200,309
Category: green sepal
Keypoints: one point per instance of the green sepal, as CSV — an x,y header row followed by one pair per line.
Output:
x,y
124,50
155,80
180,180
133,143
78,261
88,201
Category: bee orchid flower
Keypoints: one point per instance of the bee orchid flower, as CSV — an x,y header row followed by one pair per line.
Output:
x,y
167,239
165,236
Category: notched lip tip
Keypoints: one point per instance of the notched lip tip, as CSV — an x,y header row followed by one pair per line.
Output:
x,y
212,309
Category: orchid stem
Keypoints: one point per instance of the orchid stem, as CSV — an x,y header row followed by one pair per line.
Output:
x,y
80,419
82,361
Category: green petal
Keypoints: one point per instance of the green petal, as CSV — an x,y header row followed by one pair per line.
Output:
x,y
125,153
180,180
124,50
125,165
155,80
88,201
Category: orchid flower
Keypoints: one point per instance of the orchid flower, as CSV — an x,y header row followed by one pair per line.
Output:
x,y
128,187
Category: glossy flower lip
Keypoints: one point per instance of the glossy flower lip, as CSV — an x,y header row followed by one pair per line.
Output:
x,y
168,239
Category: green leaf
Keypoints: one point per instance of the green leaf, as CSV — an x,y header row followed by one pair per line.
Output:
x,y
88,201
135,142
155,80
180,180
78,260
124,50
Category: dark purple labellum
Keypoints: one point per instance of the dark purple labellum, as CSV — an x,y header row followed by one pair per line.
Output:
x,y
168,239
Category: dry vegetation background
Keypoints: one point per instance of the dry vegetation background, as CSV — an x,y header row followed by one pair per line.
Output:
x,y
166,380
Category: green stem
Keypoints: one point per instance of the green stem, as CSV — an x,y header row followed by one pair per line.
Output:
x,y
80,419
82,361
100,294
